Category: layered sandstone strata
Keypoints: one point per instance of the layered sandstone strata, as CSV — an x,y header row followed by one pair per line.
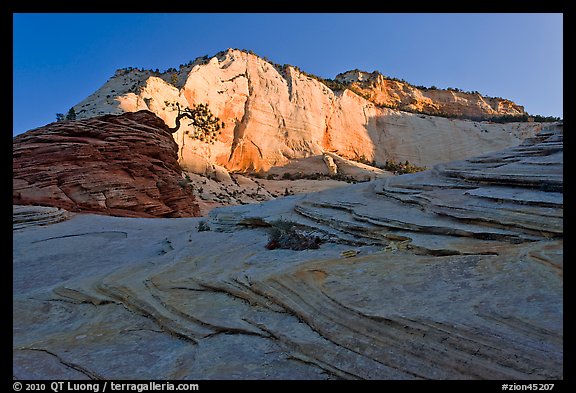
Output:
x,y
124,165
450,102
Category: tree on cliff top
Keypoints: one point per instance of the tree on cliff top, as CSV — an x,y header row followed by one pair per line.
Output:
x,y
206,125
71,115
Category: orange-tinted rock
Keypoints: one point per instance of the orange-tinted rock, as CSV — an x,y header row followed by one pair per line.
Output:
x,y
277,115
125,165
404,96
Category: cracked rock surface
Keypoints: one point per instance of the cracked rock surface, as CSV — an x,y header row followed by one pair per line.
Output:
x,y
452,273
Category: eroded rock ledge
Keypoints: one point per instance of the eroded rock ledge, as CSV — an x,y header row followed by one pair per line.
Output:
x,y
453,273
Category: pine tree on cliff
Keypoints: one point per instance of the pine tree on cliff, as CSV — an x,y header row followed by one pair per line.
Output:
x,y
206,125
71,115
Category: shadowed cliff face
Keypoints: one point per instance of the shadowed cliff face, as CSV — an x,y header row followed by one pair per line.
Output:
x,y
451,273
274,115
118,165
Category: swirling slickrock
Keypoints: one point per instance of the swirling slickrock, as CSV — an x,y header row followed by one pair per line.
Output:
x,y
451,273
124,165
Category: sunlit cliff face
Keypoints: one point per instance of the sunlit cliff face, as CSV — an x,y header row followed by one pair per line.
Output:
x,y
274,115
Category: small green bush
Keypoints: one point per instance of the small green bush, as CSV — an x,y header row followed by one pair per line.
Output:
x,y
401,168
203,226
284,235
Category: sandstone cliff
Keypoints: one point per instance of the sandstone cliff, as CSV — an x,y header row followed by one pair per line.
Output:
x,y
118,165
276,114
404,96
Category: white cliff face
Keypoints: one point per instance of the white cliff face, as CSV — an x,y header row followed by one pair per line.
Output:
x,y
273,116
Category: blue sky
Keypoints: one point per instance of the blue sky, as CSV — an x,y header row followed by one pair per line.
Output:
x,y
60,59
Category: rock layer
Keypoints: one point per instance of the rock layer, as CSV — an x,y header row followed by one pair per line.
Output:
x,y
118,165
274,115
452,273
401,95
25,216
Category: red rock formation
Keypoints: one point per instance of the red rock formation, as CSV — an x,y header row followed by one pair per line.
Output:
x,y
125,165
